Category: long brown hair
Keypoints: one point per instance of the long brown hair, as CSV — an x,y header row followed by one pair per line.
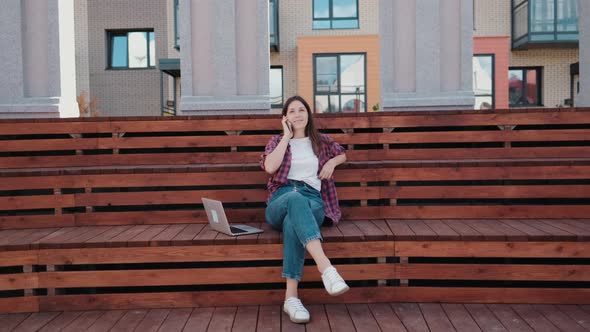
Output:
x,y
310,129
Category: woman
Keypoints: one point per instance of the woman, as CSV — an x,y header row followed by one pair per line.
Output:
x,y
301,193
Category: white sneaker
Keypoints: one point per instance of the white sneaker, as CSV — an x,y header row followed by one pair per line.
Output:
x,y
296,311
333,282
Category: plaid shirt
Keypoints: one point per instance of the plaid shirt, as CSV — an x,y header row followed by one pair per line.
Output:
x,y
328,150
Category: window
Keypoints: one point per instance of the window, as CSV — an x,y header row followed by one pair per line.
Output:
x,y
483,81
276,86
176,25
335,14
544,22
524,86
131,49
339,83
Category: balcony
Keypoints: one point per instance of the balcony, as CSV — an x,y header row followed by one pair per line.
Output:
x,y
544,23
274,24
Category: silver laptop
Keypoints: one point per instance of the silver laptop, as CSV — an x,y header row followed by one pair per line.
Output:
x,y
218,220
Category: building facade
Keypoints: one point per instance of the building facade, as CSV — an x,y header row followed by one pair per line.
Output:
x,y
175,57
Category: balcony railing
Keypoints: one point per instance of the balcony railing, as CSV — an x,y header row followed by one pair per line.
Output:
x,y
544,23
274,24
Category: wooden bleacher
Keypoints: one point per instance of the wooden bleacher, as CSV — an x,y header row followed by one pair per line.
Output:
x,y
105,213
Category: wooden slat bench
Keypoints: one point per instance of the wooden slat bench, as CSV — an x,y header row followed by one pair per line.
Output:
x,y
448,206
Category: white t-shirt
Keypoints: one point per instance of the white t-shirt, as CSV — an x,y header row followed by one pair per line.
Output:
x,y
304,163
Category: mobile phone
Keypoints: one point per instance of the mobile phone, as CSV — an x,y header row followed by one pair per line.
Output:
x,y
290,126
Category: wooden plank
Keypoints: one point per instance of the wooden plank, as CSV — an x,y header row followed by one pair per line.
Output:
x,y
19,304
197,276
40,221
512,234
251,238
582,234
331,234
102,239
84,321
57,241
186,236
400,230
459,317
489,233
18,258
532,233
80,240
288,326
50,238
493,272
152,321
269,318
435,317
491,249
442,230
123,237
24,243
15,281
556,232
205,253
166,236
159,197
466,212
36,321
270,235
106,321
509,318
199,319
17,236
421,230
339,318
465,230
144,238
61,321
350,232
558,318
577,314
36,202
245,319
223,319
386,318
411,316
362,317
176,319
129,321
369,230
206,236
319,320
484,317
10,321
534,318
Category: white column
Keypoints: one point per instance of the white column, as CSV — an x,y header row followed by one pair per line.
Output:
x,y
583,98
37,59
225,56
426,51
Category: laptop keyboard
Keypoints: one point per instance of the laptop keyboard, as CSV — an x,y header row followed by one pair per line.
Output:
x,y
236,230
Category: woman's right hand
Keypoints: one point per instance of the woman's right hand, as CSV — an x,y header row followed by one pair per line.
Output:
x,y
287,129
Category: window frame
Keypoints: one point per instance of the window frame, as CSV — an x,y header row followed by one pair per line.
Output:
x,y
282,87
110,34
493,95
524,79
176,32
340,94
331,17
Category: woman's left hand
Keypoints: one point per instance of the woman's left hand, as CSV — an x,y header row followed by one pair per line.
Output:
x,y
327,170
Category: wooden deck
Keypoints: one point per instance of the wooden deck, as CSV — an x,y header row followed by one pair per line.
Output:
x,y
374,230
330,317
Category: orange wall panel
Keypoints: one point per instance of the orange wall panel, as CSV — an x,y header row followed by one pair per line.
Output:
x,y
500,47
308,46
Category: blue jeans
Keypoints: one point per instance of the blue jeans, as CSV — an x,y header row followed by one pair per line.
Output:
x,y
297,210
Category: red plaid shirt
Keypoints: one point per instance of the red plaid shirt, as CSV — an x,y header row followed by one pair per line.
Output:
x,y
328,150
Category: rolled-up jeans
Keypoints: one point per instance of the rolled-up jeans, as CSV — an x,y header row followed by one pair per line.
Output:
x,y
297,210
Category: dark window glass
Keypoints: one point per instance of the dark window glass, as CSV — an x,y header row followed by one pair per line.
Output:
x,y
524,87
276,87
132,49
